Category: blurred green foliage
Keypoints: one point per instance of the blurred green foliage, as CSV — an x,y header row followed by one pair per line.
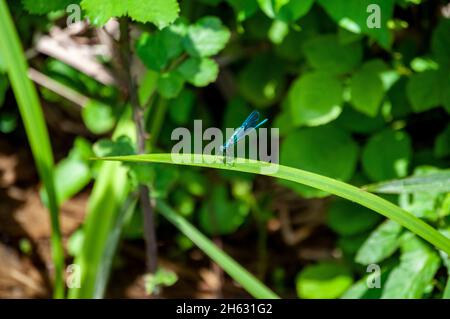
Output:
x,y
352,102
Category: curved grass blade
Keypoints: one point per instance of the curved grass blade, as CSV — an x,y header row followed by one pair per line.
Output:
x,y
324,183
33,119
228,264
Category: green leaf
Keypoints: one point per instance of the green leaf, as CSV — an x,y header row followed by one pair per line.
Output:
x,y
221,216
207,37
170,84
159,12
367,89
326,53
261,82
156,50
71,176
353,16
312,148
387,155
424,90
382,243
442,143
347,218
325,280
180,108
199,71
435,182
323,183
285,10
418,265
244,9
440,43
119,146
315,99
98,117
46,6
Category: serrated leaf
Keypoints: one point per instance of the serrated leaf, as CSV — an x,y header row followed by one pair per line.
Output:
x,y
347,218
46,6
312,148
199,71
159,12
367,90
380,244
387,155
418,265
326,53
325,280
207,37
308,102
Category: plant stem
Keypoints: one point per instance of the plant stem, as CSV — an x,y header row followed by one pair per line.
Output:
x,y
138,116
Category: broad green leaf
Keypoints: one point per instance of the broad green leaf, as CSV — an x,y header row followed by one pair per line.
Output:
x,y
425,90
119,146
236,111
156,50
285,10
98,117
159,12
418,265
325,280
199,71
442,143
326,53
347,218
315,99
46,6
440,43
367,89
387,155
303,177
262,81
221,216
382,243
147,86
207,37
313,148
170,84
71,176
354,16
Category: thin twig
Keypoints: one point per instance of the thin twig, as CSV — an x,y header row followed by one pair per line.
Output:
x,y
138,115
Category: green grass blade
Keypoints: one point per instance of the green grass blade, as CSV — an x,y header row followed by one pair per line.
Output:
x,y
324,183
106,202
438,182
33,119
228,264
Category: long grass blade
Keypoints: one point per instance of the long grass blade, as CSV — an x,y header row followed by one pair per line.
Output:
x,y
324,183
228,264
33,119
